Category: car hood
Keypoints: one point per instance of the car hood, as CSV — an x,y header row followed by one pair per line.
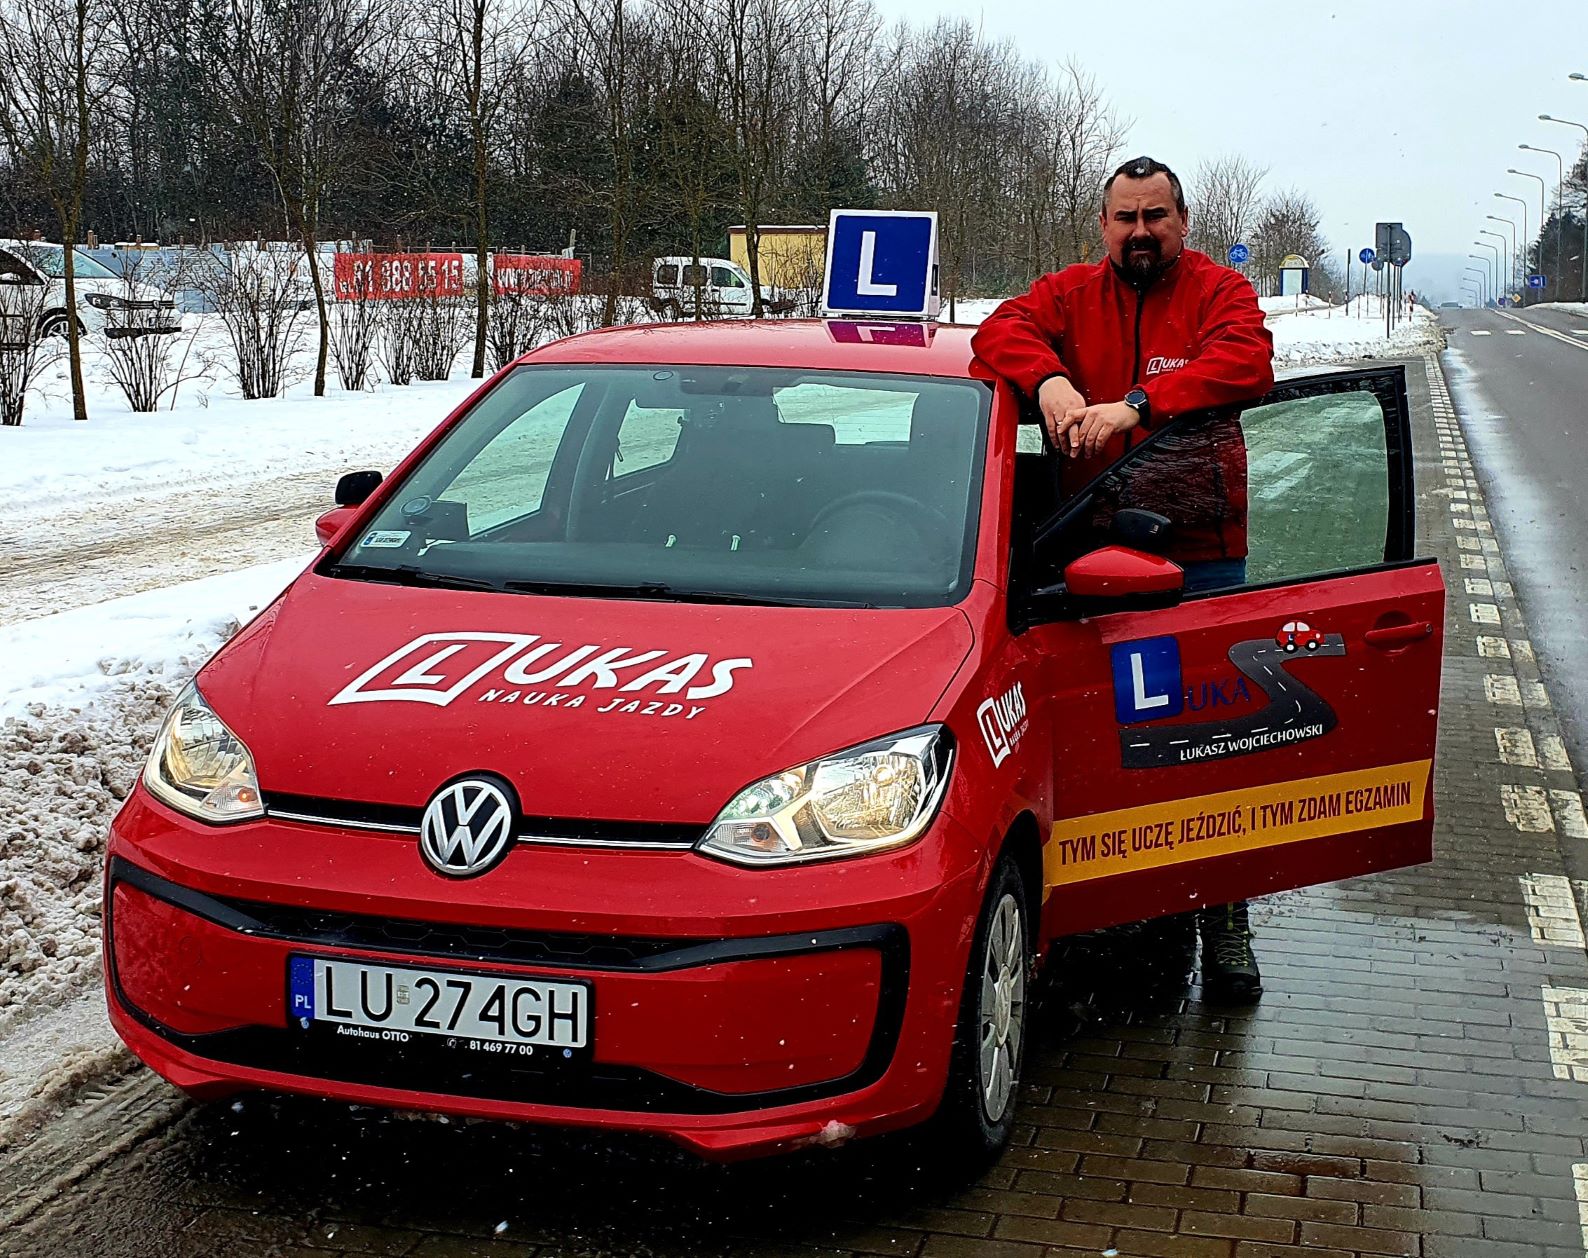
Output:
x,y
593,708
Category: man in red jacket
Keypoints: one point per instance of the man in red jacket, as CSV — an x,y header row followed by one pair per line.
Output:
x,y
1108,349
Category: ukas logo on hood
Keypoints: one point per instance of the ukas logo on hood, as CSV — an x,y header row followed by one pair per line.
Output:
x,y
437,668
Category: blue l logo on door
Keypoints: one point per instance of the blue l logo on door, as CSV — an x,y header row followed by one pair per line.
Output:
x,y
1147,682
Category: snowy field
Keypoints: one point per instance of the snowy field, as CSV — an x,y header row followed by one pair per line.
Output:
x,y
133,547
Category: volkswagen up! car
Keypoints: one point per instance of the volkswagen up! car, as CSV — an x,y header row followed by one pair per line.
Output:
x,y
707,728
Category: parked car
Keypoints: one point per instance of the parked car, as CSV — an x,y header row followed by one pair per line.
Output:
x,y
106,303
718,287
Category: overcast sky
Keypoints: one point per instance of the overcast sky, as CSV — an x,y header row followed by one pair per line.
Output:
x,y
1394,109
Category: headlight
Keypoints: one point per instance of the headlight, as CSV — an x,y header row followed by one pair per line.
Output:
x,y
200,767
872,797
100,301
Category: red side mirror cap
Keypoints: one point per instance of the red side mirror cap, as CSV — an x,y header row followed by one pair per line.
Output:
x,y
329,525
1114,571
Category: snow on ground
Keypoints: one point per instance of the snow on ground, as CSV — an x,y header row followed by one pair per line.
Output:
x,y
142,503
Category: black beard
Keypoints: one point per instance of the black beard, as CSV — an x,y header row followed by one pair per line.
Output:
x,y
1144,265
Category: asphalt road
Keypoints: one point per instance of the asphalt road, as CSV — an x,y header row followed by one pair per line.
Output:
x,y
1520,380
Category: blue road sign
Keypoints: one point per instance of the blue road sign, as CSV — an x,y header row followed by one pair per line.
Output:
x,y
881,262
1535,281
1239,254
1366,256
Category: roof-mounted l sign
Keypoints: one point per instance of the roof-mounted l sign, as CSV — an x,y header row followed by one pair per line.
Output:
x,y
881,263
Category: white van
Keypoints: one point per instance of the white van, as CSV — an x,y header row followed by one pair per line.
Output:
x,y
720,287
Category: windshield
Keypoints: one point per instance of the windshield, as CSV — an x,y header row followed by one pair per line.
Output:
x,y
51,259
718,483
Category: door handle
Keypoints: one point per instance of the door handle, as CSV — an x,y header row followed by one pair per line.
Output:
x,y
1399,635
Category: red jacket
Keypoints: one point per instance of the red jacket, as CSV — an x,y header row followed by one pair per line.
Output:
x,y
1195,339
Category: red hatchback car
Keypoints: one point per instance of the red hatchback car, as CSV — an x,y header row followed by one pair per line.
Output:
x,y
707,728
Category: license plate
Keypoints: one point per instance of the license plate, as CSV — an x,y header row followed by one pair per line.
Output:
x,y
478,1011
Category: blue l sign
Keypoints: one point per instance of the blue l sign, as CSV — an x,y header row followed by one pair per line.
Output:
x,y
881,262
1147,682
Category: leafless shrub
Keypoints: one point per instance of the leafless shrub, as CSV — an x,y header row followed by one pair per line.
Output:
x,y
398,340
443,327
258,294
354,326
515,318
147,352
24,350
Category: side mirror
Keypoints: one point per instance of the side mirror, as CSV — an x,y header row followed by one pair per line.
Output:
x,y
1140,529
1116,572
353,488
329,525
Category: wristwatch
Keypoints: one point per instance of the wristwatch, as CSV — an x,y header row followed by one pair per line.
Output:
x,y
1136,399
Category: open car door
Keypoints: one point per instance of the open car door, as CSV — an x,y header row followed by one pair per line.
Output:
x,y
1276,731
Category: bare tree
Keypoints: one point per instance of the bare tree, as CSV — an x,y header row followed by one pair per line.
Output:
x,y
481,47
50,51
1224,197
284,71
24,349
1287,223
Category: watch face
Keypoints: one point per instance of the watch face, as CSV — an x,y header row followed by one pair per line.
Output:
x,y
1136,398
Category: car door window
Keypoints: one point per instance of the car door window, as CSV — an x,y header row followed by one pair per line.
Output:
x,y
507,478
667,273
1311,481
722,277
647,438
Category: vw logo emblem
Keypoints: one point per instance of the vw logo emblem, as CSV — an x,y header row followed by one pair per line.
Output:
x,y
468,827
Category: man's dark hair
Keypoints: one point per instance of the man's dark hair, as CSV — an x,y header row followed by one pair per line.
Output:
x,y
1146,168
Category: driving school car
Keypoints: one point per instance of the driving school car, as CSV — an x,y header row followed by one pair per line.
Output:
x,y
707,728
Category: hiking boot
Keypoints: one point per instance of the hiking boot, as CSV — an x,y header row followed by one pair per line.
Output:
x,y
1229,969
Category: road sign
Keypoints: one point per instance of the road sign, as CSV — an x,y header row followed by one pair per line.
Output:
x,y
1239,254
1367,255
1392,243
1535,281
881,263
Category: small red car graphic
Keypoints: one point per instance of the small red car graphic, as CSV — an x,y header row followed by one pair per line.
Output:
x,y
1298,633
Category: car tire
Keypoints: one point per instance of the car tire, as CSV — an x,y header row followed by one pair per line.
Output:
x,y
1290,648
1312,646
977,1114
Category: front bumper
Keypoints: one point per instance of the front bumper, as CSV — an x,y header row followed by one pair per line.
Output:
x,y
733,1037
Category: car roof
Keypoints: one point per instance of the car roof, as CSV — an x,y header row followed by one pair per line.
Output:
x,y
817,344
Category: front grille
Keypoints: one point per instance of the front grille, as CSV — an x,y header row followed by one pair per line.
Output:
x,y
404,819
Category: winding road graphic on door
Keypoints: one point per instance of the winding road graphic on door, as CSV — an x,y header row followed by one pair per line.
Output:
x,y
1294,713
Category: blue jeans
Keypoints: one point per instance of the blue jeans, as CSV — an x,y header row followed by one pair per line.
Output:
x,y
1214,574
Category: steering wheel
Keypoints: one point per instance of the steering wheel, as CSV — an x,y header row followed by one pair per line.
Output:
x,y
926,521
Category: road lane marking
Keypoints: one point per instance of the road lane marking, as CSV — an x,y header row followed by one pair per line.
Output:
x,y
1568,814
1552,915
1552,750
1529,326
1501,689
1516,331
1516,747
1479,332
1566,1014
1527,808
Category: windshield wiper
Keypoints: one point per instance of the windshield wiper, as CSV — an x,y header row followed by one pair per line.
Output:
x,y
409,574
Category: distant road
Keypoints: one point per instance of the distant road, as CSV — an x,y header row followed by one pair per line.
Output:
x,y
1527,429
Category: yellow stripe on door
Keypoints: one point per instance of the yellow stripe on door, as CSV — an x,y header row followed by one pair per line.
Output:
x,y
1150,836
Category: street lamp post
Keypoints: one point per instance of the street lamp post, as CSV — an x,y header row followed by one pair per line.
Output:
x,y
1510,265
1523,239
1489,263
1543,189
1502,251
1483,278
1470,288
1560,188
1583,259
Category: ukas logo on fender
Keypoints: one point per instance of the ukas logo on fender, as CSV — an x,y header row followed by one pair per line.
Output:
x,y
1003,722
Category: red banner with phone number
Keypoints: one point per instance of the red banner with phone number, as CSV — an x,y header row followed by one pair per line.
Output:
x,y
395,276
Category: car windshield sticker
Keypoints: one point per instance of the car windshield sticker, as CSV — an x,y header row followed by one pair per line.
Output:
x,y
1148,687
1003,722
519,668
386,538
1150,836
